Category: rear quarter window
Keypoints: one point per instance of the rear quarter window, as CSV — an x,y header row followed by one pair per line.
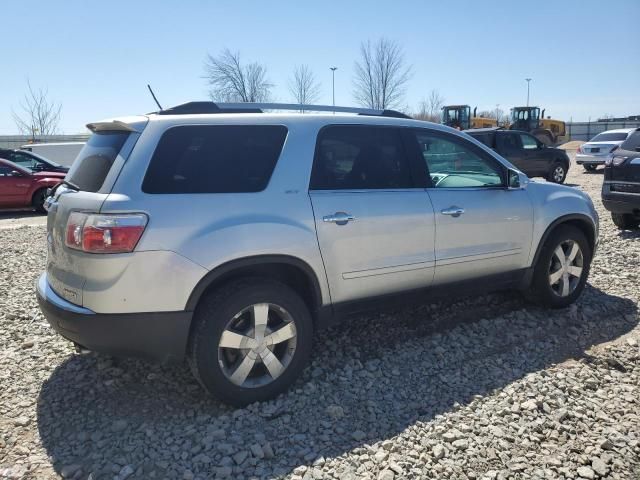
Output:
x,y
96,158
214,159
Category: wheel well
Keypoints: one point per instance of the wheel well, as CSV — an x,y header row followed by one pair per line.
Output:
x,y
33,196
580,222
292,274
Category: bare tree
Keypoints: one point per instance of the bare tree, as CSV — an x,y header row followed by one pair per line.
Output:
x,y
429,108
381,75
303,86
38,115
232,81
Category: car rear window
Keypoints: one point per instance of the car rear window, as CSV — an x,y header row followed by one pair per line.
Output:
x,y
215,159
609,137
95,160
356,157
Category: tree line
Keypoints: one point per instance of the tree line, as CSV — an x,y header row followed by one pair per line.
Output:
x,y
380,80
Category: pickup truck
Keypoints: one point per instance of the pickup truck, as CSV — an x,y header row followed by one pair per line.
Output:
x,y
526,152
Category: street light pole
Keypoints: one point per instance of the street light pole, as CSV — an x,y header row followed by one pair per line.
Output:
x,y
528,81
333,86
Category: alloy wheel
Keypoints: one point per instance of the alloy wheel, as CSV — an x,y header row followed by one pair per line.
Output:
x,y
565,268
558,174
257,345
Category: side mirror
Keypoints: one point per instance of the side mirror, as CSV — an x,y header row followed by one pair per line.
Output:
x,y
516,180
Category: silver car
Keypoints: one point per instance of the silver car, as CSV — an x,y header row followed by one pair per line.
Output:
x,y
596,150
228,237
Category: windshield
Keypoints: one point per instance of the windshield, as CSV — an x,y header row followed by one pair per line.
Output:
x,y
525,114
610,137
94,161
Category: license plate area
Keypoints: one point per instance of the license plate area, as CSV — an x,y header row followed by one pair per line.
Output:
x,y
595,150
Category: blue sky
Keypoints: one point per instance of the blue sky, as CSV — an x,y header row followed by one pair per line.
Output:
x,y
96,58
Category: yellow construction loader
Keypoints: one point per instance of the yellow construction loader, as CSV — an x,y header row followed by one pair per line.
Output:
x,y
459,116
530,119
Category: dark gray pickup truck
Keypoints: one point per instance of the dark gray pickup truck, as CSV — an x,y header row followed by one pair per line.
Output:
x,y
526,152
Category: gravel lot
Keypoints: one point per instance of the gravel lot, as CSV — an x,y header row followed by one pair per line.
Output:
x,y
486,387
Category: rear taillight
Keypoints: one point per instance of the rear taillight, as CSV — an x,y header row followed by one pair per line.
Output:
x,y
580,149
95,233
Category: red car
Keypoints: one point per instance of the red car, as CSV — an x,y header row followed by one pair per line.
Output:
x,y
21,187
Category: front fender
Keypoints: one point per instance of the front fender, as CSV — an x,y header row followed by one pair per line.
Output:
x,y
556,204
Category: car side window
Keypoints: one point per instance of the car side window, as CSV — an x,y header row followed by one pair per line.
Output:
x,y
510,141
452,164
528,142
24,160
5,170
359,157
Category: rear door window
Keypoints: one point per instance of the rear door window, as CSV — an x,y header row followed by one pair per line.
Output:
x,y
215,159
358,157
96,158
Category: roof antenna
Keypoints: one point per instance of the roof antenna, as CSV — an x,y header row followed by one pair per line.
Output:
x,y
154,97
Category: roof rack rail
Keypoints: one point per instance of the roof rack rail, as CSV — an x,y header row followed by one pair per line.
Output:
x,y
212,107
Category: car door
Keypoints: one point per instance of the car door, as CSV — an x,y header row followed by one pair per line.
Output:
x,y
536,160
375,226
482,227
510,147
14,185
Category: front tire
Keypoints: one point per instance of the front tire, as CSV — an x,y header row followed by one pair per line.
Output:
x,y
625,221
561,271
558,173
38,200
251,340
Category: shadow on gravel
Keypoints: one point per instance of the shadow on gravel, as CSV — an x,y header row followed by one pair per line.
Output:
x,y
17,214
370,379
629,234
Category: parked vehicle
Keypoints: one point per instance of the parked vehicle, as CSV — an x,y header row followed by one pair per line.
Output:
x,y
31,161
621,186
596,150
230,238
22,187
526,152
459,117
63,153
530,119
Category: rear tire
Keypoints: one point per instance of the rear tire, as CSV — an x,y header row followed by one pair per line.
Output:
x,y
38,200
625,221
590,168
558,173
223,353
550,276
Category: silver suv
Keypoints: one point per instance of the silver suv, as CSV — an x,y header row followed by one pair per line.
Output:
x,y
229,236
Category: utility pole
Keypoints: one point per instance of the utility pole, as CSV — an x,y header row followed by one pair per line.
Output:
x,y
528,82
333,86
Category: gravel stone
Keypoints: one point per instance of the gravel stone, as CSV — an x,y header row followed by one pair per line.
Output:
x,y
486,387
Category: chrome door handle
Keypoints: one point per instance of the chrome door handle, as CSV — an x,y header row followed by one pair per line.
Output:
x,y
339,218
453,211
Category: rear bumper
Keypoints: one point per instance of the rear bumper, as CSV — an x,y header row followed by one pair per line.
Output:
x,y
617,202
160,336
582,159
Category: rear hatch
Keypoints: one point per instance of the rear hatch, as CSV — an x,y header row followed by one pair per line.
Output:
x,y
86,187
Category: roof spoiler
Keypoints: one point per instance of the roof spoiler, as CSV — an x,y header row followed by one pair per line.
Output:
x,y
112,126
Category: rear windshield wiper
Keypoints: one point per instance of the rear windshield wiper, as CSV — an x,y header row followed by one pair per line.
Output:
x,y
71,184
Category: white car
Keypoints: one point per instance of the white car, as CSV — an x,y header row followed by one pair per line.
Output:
x,y
596,150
